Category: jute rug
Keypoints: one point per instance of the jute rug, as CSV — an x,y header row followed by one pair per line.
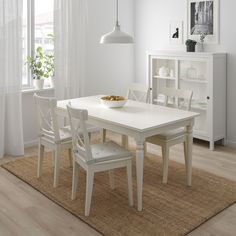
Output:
x,y
169,210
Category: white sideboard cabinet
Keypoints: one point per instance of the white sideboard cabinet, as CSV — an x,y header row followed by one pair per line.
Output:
x,y
205,75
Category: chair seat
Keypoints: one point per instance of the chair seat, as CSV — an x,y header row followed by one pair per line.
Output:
x,y
108,151
172,134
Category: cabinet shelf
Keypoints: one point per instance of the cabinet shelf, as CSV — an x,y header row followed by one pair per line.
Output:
x,y
163,77
200,81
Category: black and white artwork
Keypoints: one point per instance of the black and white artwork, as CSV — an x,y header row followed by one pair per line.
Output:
x,y
202,15
176,32
203,18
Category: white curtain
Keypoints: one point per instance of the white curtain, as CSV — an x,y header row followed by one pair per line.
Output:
x,y
11,131
70,26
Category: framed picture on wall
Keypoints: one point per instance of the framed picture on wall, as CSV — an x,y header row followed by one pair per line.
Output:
x,y
203,18
176,32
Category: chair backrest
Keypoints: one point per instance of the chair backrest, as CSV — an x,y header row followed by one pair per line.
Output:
x,y
47,118
80,136
138,92
181,98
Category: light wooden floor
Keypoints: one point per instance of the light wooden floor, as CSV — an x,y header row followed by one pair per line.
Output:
x,y
24,211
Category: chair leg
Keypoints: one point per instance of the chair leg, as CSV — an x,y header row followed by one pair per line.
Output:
x,y
40,159
57,167
70,154
53,158
75,178
103,135
112,179
165,156
129,181
89,190
185,154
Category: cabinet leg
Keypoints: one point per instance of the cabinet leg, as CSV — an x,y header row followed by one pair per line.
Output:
x,y
212,145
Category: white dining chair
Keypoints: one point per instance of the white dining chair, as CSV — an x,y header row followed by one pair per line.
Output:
x,y
94,158
181,99
51,135
136,92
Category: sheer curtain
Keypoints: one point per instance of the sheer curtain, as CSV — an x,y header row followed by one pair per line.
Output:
x,y
11,131
70,21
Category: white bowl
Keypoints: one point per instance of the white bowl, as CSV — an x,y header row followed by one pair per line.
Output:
x,y
113,104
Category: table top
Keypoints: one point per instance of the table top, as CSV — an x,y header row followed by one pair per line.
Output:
x,y
134,115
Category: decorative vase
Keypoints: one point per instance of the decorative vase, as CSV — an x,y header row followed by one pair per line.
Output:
x,y
191,47
38,84
163,71
200,47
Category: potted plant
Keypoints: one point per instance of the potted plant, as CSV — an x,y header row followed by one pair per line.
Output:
x,y
36,65
190,45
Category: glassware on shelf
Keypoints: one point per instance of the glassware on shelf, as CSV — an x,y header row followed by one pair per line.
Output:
x,y
172,74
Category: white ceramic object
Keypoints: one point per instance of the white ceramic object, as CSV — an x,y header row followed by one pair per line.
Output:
x,y
52,82
38,84
163,71
113,104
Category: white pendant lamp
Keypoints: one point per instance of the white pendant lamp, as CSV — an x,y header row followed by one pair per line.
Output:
x,y
116,35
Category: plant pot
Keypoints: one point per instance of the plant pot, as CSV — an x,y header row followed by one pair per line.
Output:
x,y
38,84
52,82
191,48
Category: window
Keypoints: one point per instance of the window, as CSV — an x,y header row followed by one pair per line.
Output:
x,y
37,32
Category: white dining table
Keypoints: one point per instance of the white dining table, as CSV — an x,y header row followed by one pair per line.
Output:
x,y
138,120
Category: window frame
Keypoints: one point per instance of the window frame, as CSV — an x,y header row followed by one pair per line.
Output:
x,y
30,41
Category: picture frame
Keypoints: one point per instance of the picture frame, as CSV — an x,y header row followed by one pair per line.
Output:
x,y
176,32
203,17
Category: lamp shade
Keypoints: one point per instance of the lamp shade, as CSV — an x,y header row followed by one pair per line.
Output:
x,y
116,36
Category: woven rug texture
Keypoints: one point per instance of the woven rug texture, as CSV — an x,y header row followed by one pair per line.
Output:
x,y
168,210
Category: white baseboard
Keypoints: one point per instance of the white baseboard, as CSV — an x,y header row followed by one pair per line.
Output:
x,y
31,143
231,143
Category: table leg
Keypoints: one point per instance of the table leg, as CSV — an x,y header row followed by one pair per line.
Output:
x,y
139,172
189,145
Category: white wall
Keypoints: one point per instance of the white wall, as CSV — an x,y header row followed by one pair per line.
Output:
x,y
109,67
152,19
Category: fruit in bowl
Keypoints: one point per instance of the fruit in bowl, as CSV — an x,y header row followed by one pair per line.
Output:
x,y
113,101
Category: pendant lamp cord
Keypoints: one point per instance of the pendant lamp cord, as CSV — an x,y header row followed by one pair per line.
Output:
x,y
117,13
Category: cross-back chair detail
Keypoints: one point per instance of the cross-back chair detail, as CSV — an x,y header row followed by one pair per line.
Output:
x,y
47,119
80,136
138,92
